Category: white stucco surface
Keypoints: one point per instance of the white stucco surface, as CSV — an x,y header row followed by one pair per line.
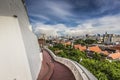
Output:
x,y
20,55
13,59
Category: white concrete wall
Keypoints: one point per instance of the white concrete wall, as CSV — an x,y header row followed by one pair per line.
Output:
x,y
13,59
26,43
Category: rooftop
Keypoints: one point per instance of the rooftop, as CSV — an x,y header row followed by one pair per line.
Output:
x,y
114,55
81,48
95,49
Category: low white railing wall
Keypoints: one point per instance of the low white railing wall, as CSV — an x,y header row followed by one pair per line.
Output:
x,y
77,69
85,72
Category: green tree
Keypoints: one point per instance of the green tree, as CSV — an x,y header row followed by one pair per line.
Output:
x,y
90,41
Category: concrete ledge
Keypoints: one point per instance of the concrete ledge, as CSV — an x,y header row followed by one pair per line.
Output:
x,y
85,73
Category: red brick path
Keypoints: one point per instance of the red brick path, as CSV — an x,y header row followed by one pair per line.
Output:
x,y
52,70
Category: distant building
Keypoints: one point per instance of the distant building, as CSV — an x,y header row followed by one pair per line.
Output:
x,y
116,39
114,56
111,38
116,47
41,42
106,53
67,43
81,48
94,49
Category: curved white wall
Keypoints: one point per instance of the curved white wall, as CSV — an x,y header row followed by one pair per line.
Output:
x,y
20,55
13,59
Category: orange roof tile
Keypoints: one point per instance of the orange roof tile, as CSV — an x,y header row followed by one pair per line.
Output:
x,y
81,48
95,49
105,52
114,55
67,43
76,46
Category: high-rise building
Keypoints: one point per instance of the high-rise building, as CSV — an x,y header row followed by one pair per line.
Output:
x,y
111,38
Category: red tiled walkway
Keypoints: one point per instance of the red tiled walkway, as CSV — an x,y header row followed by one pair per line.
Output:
x,y
52,70
61,72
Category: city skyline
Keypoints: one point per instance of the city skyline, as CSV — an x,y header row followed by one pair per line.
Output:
x,y
74,17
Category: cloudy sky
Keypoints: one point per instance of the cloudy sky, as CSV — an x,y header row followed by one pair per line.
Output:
x,y
74,17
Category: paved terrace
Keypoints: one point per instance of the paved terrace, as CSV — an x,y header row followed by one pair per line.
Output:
x,y
53,70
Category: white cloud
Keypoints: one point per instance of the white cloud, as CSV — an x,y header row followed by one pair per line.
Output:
x,y
39,16
110,24
61,10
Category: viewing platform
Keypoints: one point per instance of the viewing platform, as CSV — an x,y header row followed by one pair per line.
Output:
x,y
58,68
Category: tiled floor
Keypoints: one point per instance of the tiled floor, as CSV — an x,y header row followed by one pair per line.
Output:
x,y
52,70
